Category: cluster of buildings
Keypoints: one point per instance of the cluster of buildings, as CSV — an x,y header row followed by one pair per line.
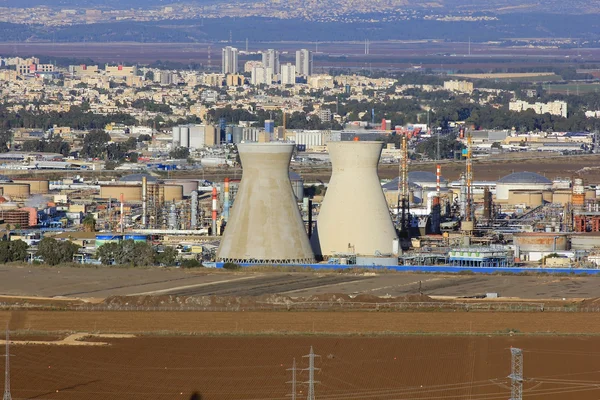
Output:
x,y
269,69
554,107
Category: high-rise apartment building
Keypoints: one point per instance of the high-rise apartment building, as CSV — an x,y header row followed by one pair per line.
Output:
x,y
288,74
261,75
230,60
270,59
304,63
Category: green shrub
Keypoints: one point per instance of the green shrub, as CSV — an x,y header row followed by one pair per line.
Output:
x,y
231,266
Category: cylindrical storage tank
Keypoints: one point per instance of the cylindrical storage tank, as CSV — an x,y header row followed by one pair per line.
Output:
x,y
173,192
188,185
105,238
16,190
136,238
265,225
354,217
184,136
129,192
35,186
176,135
562,197
547,196
590,194
531,199
297,185
540,241
238,134
585,241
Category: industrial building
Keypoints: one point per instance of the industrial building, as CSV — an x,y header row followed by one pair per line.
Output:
x,y
265,225
354,217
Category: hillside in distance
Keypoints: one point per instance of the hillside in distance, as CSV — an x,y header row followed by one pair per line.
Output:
x,y
444,6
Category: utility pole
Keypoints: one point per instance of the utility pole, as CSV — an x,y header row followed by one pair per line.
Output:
x,y
516,376
293,381
311,374
7,395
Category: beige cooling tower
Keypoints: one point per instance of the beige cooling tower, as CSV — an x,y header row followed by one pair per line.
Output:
x,y
354,216
265,225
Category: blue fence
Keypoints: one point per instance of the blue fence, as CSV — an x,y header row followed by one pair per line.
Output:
x,y
436,269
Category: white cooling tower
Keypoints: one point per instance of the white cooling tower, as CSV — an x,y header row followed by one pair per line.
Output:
x,y
354,216
265,225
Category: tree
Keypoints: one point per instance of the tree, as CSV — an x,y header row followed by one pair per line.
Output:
x,y
180,153
108,253
89,223
54,252
144,138
95,144
18,250
167,257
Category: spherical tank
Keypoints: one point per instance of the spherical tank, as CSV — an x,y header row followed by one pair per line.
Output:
x,y
173,192
265,225
540,241
130,192
354,216
16,190
35,186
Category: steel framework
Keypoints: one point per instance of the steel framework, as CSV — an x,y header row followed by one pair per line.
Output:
x,y
516,376
7,395
311,374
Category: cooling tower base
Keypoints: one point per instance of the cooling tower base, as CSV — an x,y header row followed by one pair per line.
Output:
x,y
273,261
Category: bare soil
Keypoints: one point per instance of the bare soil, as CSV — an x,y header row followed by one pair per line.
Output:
x,y
410,367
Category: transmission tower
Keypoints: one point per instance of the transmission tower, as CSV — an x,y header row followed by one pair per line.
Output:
x,y
311,374
516,377
7,395
293,381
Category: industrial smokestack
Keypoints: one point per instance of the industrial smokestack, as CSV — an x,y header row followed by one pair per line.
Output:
x,y
265,226
354,212
122,213
226,200
144,201
173,217
214,211
438,175
194,210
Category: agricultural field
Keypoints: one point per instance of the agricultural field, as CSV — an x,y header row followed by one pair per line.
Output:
x,y
408,367
573,88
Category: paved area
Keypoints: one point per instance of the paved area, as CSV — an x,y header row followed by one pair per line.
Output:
x,y
103,282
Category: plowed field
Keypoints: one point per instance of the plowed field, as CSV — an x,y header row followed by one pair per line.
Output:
x,y
160,368
302,322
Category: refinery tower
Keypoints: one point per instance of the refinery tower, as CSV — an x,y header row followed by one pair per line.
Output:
x,y
265,225
354,217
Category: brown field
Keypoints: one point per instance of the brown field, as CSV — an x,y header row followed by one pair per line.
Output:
x,y
551,166
467,367
383,55
320,322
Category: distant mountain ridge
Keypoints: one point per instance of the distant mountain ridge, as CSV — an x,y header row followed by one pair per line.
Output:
x,y
444,6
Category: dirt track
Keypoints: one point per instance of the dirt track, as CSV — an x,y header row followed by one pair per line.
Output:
x,y
256,368
302,322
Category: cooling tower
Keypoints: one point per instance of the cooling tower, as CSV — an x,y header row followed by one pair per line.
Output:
x,y
354,216
265,225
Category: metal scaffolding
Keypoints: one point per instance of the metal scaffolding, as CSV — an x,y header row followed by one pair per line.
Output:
x,y
516,376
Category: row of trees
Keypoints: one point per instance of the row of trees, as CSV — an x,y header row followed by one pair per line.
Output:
x,y
135,254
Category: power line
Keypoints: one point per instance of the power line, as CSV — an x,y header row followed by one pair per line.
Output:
x,y
516,376
311,374
293,381
7,395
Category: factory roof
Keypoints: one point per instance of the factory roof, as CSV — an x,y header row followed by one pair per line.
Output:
x,y
525,177
138,178
5,179
393,185
423,176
